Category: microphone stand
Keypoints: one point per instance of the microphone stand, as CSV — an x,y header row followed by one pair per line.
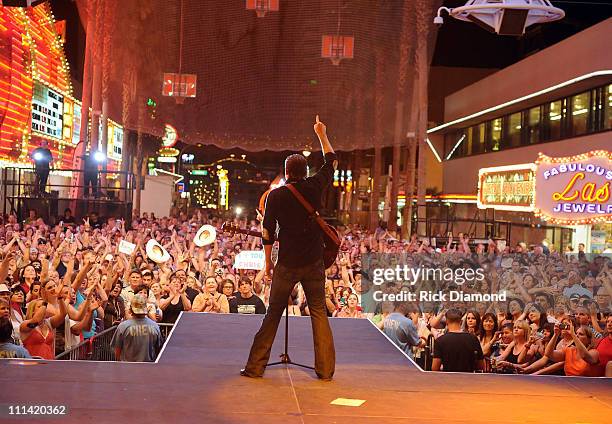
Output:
x,y
284,357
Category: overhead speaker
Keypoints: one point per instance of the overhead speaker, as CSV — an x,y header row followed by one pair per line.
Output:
x,y
21,3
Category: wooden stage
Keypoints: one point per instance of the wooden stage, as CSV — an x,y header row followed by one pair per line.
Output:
x,y
196,380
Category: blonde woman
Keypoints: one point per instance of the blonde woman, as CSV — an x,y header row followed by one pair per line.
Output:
x,y
517,350
210,300
38,332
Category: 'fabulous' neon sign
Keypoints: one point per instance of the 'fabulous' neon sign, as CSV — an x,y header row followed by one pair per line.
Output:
x,y
574,190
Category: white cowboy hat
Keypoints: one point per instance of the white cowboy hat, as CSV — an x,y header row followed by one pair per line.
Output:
x,y
156,252
205,235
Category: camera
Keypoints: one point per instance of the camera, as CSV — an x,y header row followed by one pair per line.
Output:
x,y
564,326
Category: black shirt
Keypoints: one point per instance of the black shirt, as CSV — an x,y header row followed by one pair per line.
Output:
x,y
191,294
90,163
251,305
299,236
172,312
44,157
458,351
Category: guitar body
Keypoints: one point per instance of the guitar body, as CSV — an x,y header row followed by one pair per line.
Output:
x,y
332,247
331,240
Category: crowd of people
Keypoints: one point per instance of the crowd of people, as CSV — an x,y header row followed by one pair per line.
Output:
x,y
64,281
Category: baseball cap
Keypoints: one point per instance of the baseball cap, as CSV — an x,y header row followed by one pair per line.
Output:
x,y
4,288
139,304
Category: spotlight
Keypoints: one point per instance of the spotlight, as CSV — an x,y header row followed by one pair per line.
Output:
x,y
306,152
99,156
238,210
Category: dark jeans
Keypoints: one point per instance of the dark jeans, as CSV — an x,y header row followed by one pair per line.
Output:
x,y
284,279
91,178
42,174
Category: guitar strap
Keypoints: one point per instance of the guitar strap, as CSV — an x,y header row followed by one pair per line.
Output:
x,y
312,212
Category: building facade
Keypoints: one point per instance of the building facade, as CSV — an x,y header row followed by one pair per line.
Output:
x,y
557,102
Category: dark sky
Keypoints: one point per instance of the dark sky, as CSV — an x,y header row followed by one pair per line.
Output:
x,y
459,43
263,79
465,44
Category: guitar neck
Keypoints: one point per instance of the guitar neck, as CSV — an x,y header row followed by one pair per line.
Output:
x,y
232,228
250,233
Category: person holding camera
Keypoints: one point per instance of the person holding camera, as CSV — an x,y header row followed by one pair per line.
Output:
x,y
42,158
580,359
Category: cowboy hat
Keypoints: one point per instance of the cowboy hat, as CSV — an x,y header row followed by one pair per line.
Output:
x,y
205,235
156,252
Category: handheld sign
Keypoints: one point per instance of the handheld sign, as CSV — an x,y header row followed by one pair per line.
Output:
x,y
126,247
250,259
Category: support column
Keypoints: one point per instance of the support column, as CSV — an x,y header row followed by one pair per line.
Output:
x,y
79,150
422,65
378,140
355,189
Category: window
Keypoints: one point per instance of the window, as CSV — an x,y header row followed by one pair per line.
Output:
x,y
533,125
496,132
555,113
515,125
478,145
607,104
468,142
581,104
582,113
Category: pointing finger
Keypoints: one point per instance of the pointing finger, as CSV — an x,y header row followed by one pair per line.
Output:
x,y
317,119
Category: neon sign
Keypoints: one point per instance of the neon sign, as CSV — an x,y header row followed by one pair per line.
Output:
x,y
507,188
574,190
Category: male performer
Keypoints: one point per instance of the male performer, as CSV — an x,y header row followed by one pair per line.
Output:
x,y
42,164
300,258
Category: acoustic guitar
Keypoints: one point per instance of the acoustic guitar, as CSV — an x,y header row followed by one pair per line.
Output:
x,y
330,249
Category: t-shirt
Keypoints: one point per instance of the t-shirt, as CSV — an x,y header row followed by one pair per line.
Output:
x,y
10,350
575,365
299,236
401,331
139,340
80,299
458,351
251,305
605,353
191,294
44,157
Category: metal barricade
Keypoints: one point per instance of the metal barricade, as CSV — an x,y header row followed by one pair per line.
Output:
x,y
165,329
98,348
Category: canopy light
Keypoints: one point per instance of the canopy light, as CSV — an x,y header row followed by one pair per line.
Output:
x,y
262,7
504,17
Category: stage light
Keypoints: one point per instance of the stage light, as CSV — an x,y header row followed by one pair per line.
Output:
x,y
99,156
238,210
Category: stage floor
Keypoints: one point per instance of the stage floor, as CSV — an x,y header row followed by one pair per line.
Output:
x,y
196,380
